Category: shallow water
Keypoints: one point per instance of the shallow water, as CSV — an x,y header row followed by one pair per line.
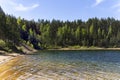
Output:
x,y
66,65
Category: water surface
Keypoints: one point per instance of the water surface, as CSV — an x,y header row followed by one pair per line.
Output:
x,y
68,65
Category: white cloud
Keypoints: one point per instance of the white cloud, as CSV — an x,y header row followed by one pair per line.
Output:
x,y
21,7
117,7
35,6
17,6
97,2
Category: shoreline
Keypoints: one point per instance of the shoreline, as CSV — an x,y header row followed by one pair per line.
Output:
x,y
88,49
8,56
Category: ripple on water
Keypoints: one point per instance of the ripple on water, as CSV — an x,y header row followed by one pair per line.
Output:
x,y
46,66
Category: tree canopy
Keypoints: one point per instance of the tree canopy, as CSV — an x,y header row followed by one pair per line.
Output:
x,y
104,32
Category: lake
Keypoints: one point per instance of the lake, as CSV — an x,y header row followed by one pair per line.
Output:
x,y
66,65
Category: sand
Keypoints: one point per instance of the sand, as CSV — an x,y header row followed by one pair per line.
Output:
x,y
101,49
4,59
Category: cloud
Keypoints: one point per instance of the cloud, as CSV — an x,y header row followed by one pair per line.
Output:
x,y
17,6
117,7
35,6
21,7
97,2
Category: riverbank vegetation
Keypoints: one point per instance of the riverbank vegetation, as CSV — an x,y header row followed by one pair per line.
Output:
x,y
41,34
13,34
94,32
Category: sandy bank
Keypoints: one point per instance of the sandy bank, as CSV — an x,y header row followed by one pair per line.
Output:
x,y
3,59
7,57
102,49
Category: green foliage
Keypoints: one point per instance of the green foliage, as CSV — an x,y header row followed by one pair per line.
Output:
x,y
110,30
19,21
83,32
44,33
91,29
94,32
24,27
78,36
12,34
30,32
2,25
99,32
77,33
2,43
59,34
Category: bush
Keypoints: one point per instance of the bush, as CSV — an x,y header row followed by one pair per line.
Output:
x,y
2,44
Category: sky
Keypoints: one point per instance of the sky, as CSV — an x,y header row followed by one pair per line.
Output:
x,y
62,9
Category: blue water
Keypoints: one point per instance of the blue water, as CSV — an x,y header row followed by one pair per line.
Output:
x,y
74,63
104,60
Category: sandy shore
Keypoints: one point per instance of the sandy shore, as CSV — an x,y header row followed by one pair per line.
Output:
x,y
3,59
102,49
7,57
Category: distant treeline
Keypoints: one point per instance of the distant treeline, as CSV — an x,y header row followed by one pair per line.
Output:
x,y
44,33
94,32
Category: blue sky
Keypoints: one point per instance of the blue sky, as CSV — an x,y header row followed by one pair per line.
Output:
x,y
62,9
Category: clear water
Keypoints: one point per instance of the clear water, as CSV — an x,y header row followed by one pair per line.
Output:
x,y
70,65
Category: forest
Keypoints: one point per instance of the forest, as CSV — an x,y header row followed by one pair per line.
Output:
x,y
42,34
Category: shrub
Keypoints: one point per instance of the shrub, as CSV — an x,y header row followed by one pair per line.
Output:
x,y
2,43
